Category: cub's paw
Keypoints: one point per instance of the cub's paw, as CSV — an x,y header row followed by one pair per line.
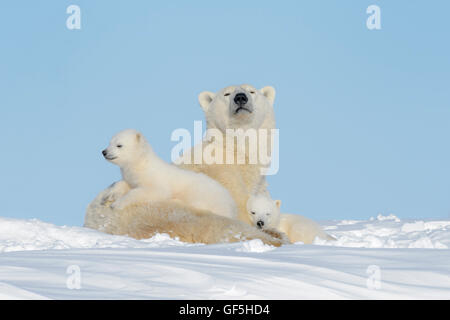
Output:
x,y
277,234
115,191
117,205
109,198
120,204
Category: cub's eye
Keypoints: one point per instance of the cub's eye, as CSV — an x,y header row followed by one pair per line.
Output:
x,y
252,92
119,146
253,212
226,94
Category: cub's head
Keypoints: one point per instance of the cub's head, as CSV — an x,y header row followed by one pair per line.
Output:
x,y
263,211
126,147
238,107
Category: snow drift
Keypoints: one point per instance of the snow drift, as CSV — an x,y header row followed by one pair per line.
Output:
x,y
380,258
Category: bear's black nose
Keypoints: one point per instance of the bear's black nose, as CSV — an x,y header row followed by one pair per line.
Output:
x,y
260,224
240,99
104,153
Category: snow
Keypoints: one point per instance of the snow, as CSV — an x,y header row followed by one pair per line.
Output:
x,y
389,232
255,245
379,258
23,235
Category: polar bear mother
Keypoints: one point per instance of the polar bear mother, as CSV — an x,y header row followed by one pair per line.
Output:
x,y
233,107
236,107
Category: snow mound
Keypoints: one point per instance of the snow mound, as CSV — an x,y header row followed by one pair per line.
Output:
x,y
381,258
380,232
23,235
255,245
388,232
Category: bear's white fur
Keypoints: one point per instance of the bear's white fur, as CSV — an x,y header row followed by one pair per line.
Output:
x,y
222,113
239,179
265,213
144,220
299,228
149,178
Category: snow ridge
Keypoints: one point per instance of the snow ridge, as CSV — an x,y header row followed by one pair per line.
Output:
x,y
379,258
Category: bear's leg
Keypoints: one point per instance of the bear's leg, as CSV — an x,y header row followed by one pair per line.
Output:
x,y
133,196
115,191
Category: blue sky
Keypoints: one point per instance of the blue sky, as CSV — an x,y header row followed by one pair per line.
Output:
x,y
364,116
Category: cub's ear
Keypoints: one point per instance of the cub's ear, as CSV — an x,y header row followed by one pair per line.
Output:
x,y
269,93
278,203
205,99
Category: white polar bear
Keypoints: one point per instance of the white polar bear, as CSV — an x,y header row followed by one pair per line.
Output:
x,y
265,213
145,220
225,109
233,108
147,178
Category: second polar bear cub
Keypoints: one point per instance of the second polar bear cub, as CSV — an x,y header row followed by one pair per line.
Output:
x,y
148,178
265,213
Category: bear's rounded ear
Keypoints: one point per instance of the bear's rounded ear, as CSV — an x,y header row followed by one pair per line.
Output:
x,y
138,137
205,98
269,93
278,203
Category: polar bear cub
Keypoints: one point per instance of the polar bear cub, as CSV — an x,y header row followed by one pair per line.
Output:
x,y
148,178
265,213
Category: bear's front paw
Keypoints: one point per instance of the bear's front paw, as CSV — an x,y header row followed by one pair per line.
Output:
x,y
108,198
277,234
118,205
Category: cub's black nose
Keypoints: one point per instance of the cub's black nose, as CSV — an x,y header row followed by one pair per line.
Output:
x,y
240,99
104,153
260,224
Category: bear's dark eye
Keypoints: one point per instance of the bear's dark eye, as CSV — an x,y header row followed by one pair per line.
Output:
x,y
252,92
226,94
119,146
253,212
